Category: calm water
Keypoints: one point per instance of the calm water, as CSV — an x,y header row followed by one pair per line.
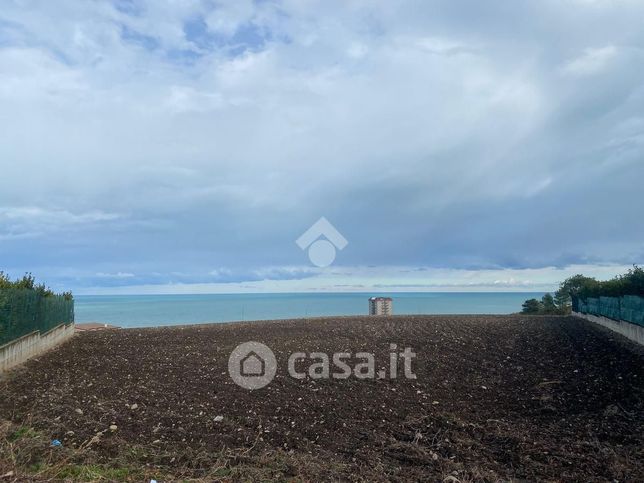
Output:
x,y
156,310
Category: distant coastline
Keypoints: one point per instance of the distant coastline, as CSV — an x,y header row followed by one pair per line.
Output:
x,y
163,310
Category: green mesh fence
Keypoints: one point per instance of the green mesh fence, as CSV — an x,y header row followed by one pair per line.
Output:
x,y
592,306
629,308
23,311
609,307
632,309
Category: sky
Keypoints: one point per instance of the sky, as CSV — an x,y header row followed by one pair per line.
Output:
x,y
183,146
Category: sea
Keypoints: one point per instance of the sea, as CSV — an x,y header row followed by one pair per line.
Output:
x,y
160,310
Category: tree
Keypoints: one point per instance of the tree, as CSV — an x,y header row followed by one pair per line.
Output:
x,y
531,306
563,301
548,304
631,283
580,286
28,282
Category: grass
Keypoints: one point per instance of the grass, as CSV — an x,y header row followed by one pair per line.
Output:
x,y
23,432
96,473
25,453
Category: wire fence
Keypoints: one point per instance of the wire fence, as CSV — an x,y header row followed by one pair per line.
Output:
x,y
629,308
23,311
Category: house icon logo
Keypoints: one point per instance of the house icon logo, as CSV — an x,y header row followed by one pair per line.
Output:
x,y
252,365
322,250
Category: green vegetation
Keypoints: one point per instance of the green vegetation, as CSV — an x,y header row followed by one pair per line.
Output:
x,y
23,432
631,283
26,306
28,282
545,306
97,473
580,287
27,455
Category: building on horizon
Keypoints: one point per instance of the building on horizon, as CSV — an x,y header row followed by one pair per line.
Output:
x,y
380,306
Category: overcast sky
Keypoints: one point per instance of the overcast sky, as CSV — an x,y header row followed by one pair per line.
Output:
x,y
178,146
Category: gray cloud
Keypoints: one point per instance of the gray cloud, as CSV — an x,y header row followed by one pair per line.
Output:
x,y
159,138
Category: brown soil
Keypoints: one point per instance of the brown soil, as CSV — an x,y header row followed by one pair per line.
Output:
x,y
496,397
